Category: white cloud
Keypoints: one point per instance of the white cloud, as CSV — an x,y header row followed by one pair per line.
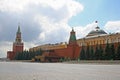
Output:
x,y
82,31
0,28
4,47
52,32
21,5
112,26
7,46
54,25
28,45
51,15
12,5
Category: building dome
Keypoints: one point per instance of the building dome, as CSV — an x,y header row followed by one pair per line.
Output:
x,y
97,31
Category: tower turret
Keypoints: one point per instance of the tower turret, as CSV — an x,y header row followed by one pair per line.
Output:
x,y
73,46
18,44
18,35
72,39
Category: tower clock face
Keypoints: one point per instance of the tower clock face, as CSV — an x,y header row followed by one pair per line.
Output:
x,y
19,35
19,40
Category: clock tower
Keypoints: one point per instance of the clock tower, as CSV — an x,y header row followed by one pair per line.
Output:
x,y
18,44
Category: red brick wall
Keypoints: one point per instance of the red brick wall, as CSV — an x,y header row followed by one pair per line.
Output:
x,y
71,52
10,55
16,48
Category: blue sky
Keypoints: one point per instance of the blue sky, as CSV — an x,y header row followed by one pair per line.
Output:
x,y
101,10
50,21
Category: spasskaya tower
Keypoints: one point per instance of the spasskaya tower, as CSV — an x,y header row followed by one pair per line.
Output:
x,y
18,45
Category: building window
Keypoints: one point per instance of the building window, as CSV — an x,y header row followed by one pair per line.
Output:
x,y
118,39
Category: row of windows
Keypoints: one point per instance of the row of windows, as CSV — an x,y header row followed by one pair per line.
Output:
x,y
102,41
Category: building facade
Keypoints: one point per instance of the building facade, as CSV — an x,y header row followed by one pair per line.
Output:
x,y
18,45
73,49
62,50
99,37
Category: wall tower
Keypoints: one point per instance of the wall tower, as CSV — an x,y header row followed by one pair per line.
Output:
x,y
72,39
18,45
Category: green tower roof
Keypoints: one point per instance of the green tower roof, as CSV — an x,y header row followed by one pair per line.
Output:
x,y
72,36
18,31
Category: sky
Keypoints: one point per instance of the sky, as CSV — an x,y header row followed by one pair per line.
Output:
x,y
50,21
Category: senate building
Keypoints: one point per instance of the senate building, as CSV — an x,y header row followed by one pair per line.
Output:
x,y
98,37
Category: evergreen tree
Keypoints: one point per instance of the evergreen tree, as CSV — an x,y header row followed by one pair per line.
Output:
x,y
107,51
96,53
24,55
112,52
87,53
100,52
82,54
118,53
16,56
20,56
91,53
32,54
27,55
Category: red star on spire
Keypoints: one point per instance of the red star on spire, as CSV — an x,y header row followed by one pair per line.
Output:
x,y
96,21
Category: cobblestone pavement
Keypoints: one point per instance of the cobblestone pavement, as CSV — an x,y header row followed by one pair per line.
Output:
x,y
58,71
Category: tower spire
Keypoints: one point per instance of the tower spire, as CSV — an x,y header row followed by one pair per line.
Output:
x,y
18,31
72,29
18,35
72,38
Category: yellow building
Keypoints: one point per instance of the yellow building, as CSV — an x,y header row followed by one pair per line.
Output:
x,y
97,37
49,46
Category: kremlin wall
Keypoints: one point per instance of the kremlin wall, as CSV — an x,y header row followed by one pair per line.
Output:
x,y
53,52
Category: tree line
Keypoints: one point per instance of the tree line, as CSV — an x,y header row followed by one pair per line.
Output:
x,y
27,55
110,52
100,53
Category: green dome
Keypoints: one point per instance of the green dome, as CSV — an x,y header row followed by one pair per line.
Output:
x,y
97,31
